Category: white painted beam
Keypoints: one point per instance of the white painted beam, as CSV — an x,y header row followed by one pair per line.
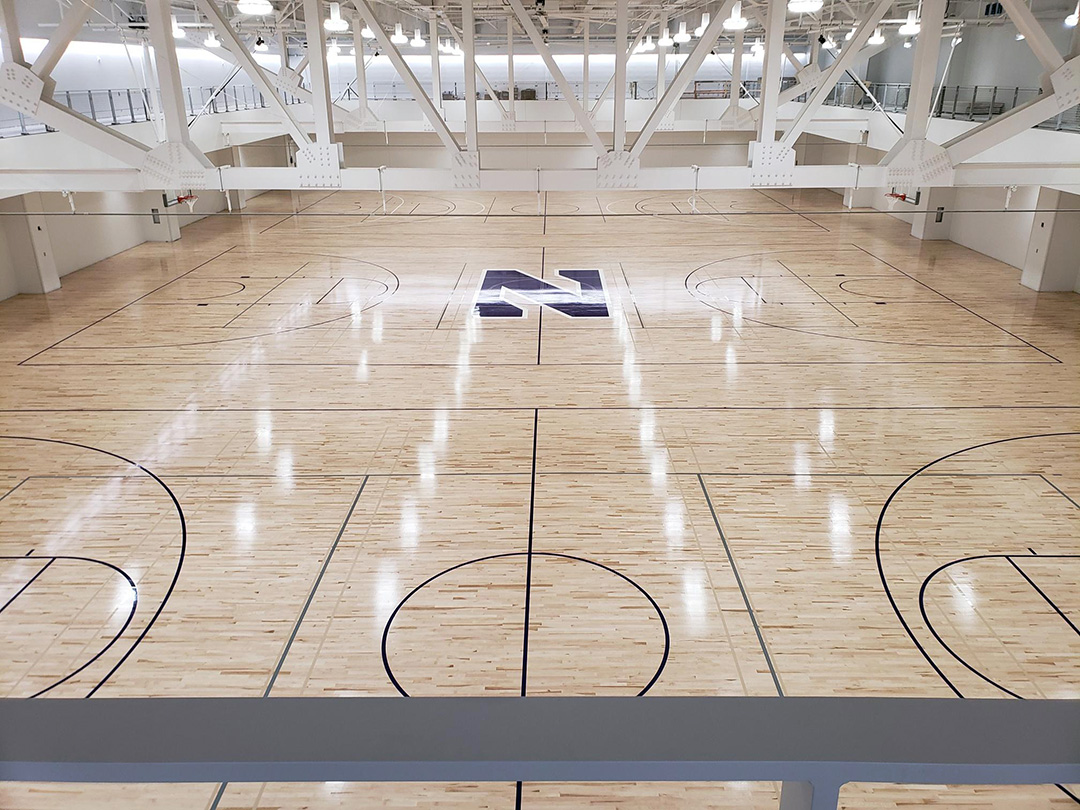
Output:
x,y
407,76
320,75
114,144
9,33
436,68
239,51
510,66
1035,36
685,75
468,34
846,60
997,130
775,21
542,49
70,26
361,72
619,123
661,58
586,27
924,72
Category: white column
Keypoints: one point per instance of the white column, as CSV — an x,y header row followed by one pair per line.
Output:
x,y
436,72
361,73
736,69
661,59
924,73
771,70
320,78
30,235
168,71
510,66
585,66
621,11
929,223
468,33
9,33
283,47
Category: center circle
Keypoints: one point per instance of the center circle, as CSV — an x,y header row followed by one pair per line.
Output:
x,y
462,630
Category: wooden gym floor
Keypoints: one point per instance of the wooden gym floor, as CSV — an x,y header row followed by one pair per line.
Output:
x,y
805,454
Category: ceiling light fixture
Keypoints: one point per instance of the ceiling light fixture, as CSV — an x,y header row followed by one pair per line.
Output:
x,y
1019,37
648,45
398,37
177,31
211,41
417,41
911,27
683,35
334,23
665,40
877,38
907,43
333,49
706,18
757,49
804,6
255,8
849,34
367,33
1073,18
736,22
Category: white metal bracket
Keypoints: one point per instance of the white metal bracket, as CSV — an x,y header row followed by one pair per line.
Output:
x,y
771,164
465,170
1066,83
176,165
617,170
20,88
319,165
920,163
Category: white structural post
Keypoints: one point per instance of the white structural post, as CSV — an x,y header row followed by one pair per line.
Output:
x,y
320,77
544,51
619,130
927,48
736,70
1053,254
168,74
996,130
661,59
585,63
70,25
685,75
407,76
283,49
361,72
845,61
510,66
436,71
1035,35
9,33
468,34
770,70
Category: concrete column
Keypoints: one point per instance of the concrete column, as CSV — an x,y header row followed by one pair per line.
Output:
x,y
1053,254
932,220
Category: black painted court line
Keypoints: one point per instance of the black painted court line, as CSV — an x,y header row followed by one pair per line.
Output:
x,y
125,306
449,297
15,487
788,207
303,613
1043,594
554,408
529,560
29,582
540,328
261,297
314,589
1055,486
956,303
815,292
742,588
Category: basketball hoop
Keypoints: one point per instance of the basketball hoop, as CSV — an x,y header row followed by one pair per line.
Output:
x,y
190,199
894,195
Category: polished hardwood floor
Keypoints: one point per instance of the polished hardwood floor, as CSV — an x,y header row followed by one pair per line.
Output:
x,y
802,454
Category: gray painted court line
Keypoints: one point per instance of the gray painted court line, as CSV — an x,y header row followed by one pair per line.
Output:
x,y
742,589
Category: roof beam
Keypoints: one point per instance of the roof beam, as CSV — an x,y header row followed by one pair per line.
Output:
x,y
1035,35
997,130
70,26
685,75
468,25
923,74
114,144
232,42
320,77
580,115
9,33
619,121
845,61
407,76
771,69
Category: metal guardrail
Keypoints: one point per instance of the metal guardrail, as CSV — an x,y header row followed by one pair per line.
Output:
x,y
960,102
812,745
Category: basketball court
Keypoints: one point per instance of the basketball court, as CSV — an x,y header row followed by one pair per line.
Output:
x,y
788,450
